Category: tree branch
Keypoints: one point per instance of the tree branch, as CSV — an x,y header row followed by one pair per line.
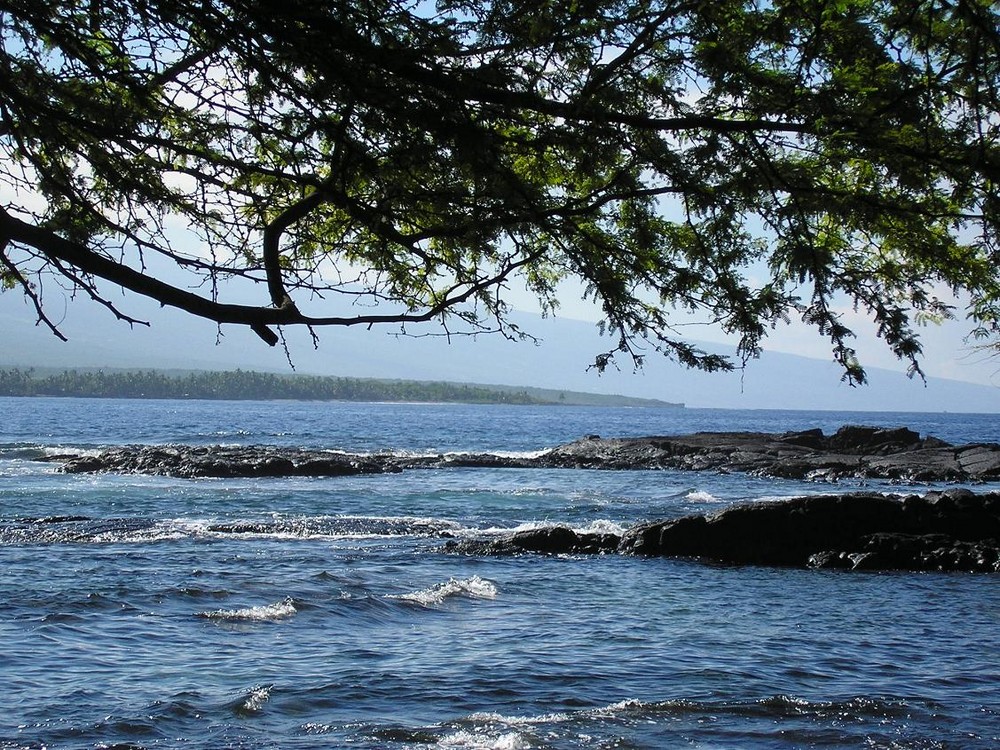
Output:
x,y
272,251
28,291
59,249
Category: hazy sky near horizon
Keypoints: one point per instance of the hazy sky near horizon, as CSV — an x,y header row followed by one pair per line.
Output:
x,y
949,352
94,331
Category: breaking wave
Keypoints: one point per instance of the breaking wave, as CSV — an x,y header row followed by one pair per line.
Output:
x,y
252,702
82,529
473,741
265,613
598,526
700,496
604,726
473,587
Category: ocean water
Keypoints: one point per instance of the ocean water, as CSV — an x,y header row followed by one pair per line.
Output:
x,y
149,612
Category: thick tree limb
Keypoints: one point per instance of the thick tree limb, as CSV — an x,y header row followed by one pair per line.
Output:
x,y
258,319
272,249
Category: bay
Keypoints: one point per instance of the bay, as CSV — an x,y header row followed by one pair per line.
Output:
x,y
299,613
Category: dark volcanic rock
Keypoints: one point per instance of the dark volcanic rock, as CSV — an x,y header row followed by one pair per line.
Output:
x,y
549,539
264,461
866,440
954,530
769,533
227,461
863,452
889,551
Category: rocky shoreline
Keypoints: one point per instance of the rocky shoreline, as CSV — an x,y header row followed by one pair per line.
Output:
x,y
952,530
852,452
224,461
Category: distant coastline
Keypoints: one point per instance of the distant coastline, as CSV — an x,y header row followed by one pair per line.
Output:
x,y
244,385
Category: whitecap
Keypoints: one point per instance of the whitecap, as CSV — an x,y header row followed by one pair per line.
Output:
x,y
700,496
252,702
613,710
256,698
522,527
160,532
601,526
327,528
554,718
473,741
520,454
400,453
785,498
629,705
265,613
610,711
526,526
513,455
473,587
598,526
52,451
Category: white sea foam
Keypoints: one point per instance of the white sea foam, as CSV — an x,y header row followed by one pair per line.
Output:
x,y
514,721
162,531
783,498
629,704
520,454
323,528
56,450
473,741
612,710
700,496
526,526
256,698
416,521
472,588
264,613
598,526
406,453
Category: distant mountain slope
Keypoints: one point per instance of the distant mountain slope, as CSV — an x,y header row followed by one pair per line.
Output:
x,y
178,341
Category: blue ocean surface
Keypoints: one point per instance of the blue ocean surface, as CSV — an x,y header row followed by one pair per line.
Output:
x,y
151,612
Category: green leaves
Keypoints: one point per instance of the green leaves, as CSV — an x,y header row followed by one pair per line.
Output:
x,y
728,158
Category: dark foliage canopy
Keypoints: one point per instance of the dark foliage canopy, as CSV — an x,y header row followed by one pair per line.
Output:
x,y
402,161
